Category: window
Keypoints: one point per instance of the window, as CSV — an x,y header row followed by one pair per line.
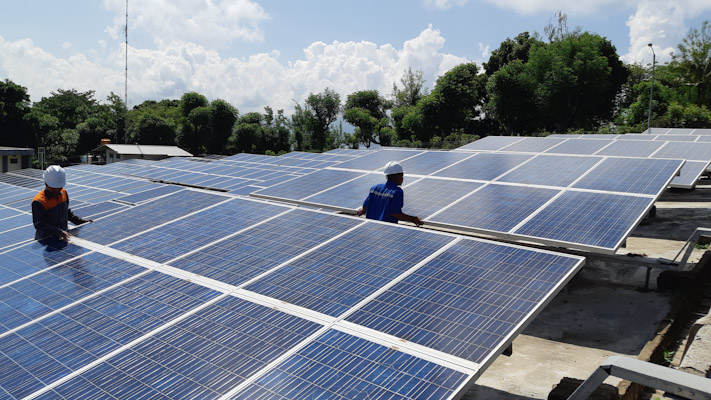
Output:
x,y
14,161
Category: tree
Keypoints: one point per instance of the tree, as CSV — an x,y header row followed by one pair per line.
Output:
x,y
367,111
301,123
154,129
694,60
324,108
509,51
247,134
460,93
277,136
189,135
14,106
164,110
512,99
405,99
222,120
119,113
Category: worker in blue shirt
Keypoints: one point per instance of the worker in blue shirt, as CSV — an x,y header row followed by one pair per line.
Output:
x,y
385,200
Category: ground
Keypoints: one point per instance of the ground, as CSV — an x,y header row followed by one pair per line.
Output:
x,y
592,319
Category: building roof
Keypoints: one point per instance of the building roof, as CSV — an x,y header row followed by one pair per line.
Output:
x,y
148,150
16,151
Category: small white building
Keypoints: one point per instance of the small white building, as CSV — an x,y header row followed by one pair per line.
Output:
x,y
14,158
121,152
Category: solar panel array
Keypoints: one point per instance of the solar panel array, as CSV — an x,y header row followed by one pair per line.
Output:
x,y
206,295
501,193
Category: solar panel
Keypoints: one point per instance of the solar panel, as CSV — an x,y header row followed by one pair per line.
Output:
x,y
9,212
307,185
149,194
491,143
599,220
630,148
337,276
197,230
203,356
265,246
676,138
533,144
341,366
495,207
689,174
377,159
429,195
549,170
685,151
431,161
645,176
467,300
348,195
34,257
579,146
484,166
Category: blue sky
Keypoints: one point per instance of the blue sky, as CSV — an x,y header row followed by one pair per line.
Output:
x,y
274,52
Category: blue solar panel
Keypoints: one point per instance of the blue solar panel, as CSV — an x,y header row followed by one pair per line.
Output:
x,y
9,239
491,143
484,166
37,295
551,170
594,219
10,193
495,207
145,216
685,151
33,257
94,211
432,161
631,175
533,144
149,194
689,174
338,275
349,195
307,185
579,146
6,212
203,356
377,159
182,236
468,300
60,344
341,366
631,148
263,247
429,195
15,222
676,138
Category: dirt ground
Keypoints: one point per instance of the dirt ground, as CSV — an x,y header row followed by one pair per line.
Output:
x,y
591,319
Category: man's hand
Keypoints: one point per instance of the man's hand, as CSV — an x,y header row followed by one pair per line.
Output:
x,y
416,220
64,236
360,211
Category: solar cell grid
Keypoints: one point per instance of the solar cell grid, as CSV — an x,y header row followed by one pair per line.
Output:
x,y
595,219
676,138
139,197
37,295
533,144
98,210
431,161
491,143
348,195
685,151
341,366
579,146
630,148
304,186
644,176
35,256
551,170
203,356
689,174
484,166
47,350
468,299
377,159
335,277
6,212
495,207
429,195
254,251
14,222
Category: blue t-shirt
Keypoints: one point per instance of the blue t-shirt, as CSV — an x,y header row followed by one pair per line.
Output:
x,y
384,200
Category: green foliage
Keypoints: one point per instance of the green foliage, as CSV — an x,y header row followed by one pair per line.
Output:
x,y
510,50
367,111
324,108
260,133
14,107
694,61
686,116
154,122
512,100
222,119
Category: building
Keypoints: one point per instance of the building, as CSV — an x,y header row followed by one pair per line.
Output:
x,y
14,158
120,152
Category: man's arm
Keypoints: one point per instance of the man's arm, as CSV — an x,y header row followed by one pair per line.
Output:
x,y
409,218
76,220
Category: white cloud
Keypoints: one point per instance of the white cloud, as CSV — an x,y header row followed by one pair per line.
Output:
x,y
66,45
176,67
528,7
444,4
484,51
661,22
214,23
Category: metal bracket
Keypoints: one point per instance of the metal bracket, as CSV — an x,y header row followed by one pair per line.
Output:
x,y
647,374
687,248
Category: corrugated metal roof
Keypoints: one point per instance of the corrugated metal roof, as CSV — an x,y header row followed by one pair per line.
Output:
x,y
143,149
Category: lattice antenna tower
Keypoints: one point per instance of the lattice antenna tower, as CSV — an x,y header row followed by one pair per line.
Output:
x,y
125,82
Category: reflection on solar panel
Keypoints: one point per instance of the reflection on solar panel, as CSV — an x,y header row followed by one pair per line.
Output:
x,y
468,299
43,352
630,148
595,219
631,175
319,371
495,207
337,276
551,170
348,195
431,162
307,185
492,143
532,145
93,211
685,151
484,166
252,252
37,295
149,194
676,138
377,159
33,257
204,227
429,195
203,356
690,173
579,146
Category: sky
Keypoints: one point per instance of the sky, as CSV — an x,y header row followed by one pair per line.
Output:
x,y
274,53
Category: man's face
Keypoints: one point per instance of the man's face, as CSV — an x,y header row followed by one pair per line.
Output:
x,y
398,178
52,192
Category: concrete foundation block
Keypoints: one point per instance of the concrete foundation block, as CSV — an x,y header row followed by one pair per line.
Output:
x,y
697,358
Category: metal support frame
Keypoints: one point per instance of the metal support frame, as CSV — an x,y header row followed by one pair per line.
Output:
x,y
647,374
688,247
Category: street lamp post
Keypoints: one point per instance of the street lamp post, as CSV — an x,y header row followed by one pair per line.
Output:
x,y
651,90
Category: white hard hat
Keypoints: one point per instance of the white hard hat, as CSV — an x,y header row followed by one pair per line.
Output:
x,y
55,176
393,167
